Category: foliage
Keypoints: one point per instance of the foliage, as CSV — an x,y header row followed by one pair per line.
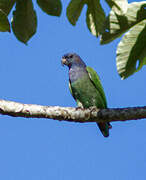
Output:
x,y
95,15
133,44
24,20
123,17
4,23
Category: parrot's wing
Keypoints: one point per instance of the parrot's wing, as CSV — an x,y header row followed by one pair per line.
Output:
x,y
104,127
77,101
96,81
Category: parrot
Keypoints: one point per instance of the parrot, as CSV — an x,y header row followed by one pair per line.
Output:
x,y
85,86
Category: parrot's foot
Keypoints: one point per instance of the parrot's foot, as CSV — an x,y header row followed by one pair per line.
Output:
x,y
79,108
109,126
93,108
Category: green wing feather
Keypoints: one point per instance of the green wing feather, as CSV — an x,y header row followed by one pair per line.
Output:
x,y
96,81
104,127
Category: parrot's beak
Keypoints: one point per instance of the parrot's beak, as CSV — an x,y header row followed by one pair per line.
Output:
x,y
64,61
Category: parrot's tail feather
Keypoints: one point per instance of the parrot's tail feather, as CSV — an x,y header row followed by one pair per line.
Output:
x,y
104,128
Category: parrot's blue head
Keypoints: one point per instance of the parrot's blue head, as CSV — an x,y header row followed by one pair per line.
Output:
x,y
71,59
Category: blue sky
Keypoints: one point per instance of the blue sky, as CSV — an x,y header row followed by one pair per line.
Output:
x,y
38,149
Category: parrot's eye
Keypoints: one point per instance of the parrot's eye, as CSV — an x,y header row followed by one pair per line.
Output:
x,y
71,56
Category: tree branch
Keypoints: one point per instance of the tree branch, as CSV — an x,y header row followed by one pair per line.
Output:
x,y
92,114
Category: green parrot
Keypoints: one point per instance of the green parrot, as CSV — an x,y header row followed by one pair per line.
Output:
x,y
85,86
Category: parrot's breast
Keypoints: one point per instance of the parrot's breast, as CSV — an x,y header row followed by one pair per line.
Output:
x,y
84,91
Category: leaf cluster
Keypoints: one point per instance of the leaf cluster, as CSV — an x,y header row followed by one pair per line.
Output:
x,y
124,18
24,21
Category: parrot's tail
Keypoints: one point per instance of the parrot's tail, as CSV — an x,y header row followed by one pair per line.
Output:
x,y
104,128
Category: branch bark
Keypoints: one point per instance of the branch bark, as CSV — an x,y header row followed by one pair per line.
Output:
x,y
92,114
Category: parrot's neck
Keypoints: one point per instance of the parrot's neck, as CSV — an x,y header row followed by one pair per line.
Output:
x,y
76,72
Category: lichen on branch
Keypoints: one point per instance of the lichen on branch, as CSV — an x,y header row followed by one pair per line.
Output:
x,y
71,114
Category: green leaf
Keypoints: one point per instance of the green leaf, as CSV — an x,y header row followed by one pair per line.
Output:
x,y
95,17
132,48
51,7
24,22
116,25
142,59
74,10
6,5
118,6
4,23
